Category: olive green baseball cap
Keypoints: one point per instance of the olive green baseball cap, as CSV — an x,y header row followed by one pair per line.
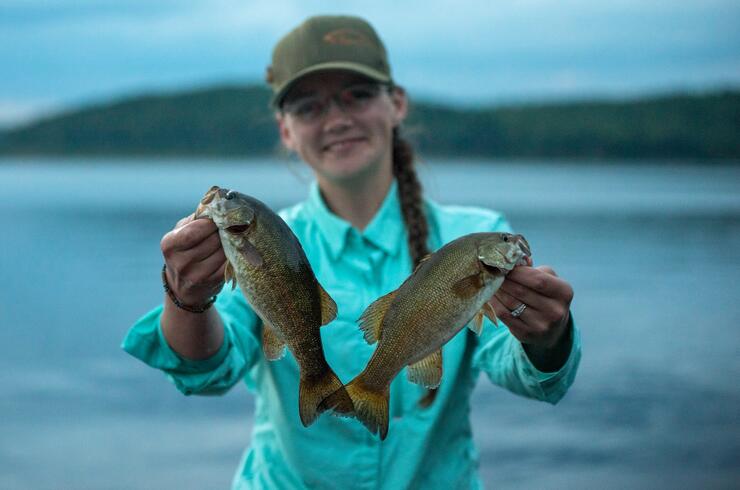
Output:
x,y
327,43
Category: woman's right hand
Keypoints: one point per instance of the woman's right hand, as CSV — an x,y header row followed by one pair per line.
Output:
x,y
195,260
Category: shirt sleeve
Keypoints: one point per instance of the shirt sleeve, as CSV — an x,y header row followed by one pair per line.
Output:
x,y
502,357
212,376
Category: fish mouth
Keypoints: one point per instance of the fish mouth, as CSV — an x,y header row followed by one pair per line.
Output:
x,y
494,271
523,245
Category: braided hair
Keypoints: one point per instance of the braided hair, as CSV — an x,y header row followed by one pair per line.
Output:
x,y
412,209
410,195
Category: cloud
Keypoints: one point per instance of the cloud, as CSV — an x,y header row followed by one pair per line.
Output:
x,y
465,50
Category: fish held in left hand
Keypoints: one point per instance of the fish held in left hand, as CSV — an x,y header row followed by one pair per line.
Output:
x,y
267,261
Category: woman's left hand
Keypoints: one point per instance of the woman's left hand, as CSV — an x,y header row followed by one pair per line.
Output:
x,y
542,326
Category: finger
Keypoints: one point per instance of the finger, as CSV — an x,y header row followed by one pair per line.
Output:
x,y
504,315
219,275
189,235
515,294
213,263
185,220
538,280
209,246
528,316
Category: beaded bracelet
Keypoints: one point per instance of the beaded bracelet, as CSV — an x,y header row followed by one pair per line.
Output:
x,y
182,306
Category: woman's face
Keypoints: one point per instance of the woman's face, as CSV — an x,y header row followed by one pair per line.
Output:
x,y
349,141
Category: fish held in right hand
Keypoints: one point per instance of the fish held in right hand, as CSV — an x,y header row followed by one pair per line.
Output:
x,y
448,290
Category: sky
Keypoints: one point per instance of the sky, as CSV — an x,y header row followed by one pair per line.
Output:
x,y
57,55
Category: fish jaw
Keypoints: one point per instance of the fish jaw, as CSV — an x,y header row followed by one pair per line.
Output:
x,y
501,252
229,210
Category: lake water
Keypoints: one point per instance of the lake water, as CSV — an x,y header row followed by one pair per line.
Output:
x,y
652,251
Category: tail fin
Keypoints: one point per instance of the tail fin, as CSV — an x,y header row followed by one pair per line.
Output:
x,y
322,393
371,407
339,402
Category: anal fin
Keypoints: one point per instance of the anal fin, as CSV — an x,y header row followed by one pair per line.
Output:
x,y
428,371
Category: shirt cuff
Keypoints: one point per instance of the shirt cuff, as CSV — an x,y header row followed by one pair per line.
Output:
x,y
554,384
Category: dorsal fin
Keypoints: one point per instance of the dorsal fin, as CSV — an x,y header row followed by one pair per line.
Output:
x,y
423,259
371,319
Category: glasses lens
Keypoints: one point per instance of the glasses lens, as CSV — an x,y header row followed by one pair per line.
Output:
x,y
353,98
305,108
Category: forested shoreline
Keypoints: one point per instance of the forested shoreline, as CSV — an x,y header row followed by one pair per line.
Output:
x,y
235,121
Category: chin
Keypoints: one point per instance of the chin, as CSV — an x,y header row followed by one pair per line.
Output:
x,y
348,166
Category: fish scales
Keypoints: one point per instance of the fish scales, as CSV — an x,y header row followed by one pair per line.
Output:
x,y
267,261
411,324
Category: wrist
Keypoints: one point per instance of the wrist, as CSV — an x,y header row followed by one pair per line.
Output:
x,y
553,356
195,307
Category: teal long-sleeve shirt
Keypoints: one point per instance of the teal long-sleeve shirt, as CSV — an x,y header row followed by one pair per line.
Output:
x,y
425,448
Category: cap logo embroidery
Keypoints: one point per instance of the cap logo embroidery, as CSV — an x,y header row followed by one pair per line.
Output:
x,y
346,37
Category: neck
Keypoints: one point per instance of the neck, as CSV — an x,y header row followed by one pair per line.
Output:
x,y
356,201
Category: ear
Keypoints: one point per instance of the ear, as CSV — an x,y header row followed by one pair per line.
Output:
x,y
286,134
400,104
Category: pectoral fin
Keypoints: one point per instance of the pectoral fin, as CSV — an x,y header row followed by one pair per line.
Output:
x,y
251,254
230,275
468,287
371,319
328,306
428,371
272,344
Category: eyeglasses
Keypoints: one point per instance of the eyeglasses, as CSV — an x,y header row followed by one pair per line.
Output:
x,y
352,99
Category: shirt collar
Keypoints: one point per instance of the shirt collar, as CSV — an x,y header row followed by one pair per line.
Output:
x,y
384,231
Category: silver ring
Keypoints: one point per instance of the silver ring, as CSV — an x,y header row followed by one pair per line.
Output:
x,y
517,312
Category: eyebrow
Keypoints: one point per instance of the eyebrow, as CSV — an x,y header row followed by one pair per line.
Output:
x,y
301,94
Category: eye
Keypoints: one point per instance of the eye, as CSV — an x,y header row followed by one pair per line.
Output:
x,y
506,238
304,108
359,95
237,229
231,194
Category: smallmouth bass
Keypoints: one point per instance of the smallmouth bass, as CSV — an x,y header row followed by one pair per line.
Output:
x,y
447,290
267,261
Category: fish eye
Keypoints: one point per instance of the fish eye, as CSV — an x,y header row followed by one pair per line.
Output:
x,y
237,229
506,238
231,194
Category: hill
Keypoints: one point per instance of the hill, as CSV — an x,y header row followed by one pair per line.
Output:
x,y
236,121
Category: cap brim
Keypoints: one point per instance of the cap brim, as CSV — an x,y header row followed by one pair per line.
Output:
x,y
334,65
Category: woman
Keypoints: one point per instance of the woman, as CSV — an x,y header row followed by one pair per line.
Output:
x,y
363,228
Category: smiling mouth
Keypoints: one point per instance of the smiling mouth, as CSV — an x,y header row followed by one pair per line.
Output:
x,y
342,143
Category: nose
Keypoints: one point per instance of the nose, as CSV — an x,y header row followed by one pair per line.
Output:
x,y
336,117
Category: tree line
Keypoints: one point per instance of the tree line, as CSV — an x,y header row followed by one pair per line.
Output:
x,y
236,121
